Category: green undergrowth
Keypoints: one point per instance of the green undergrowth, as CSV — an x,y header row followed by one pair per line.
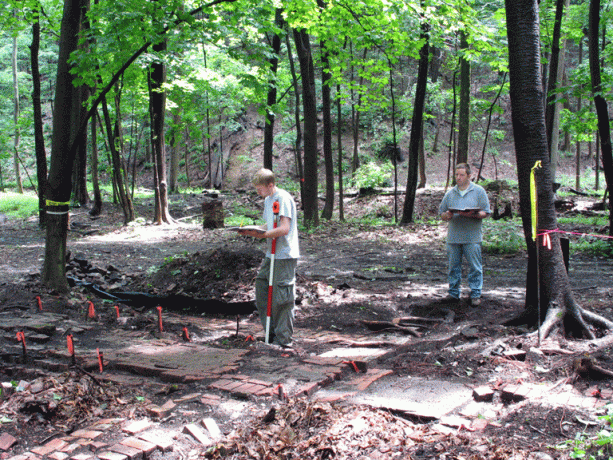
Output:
x,y
17,205
597,446
503,236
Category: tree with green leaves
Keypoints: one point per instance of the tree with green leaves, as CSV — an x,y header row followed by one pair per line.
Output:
x,y
549,298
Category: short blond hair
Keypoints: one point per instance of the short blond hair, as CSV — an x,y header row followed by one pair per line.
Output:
x,y
263,177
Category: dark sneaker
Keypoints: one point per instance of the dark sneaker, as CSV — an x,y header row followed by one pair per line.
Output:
x,y
475,302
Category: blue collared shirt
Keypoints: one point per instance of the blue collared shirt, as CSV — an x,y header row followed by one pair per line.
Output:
x,y
464,230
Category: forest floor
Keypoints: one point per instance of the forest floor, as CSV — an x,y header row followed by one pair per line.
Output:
x,y
355,283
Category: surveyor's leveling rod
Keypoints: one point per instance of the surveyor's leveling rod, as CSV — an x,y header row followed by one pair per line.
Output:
x,y
275,211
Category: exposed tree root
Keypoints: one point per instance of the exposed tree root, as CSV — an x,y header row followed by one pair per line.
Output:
x,y
574,319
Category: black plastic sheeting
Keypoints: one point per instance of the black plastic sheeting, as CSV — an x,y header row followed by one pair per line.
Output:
x,y
175,302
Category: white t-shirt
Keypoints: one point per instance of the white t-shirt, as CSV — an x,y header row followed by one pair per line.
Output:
x,y
287,245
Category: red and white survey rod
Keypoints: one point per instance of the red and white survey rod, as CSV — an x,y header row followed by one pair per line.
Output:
x,y
275,211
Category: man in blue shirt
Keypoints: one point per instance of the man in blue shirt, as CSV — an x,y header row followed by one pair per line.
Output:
x,y
464,207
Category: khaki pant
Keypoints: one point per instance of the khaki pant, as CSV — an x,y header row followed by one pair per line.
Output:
x,y
283,297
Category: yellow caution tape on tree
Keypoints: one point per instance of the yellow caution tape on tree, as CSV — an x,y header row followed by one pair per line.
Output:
x,y
57,203
533,199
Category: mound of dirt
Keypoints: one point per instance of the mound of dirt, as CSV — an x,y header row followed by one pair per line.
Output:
x,y
219,273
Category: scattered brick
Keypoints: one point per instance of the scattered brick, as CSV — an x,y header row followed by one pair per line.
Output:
x,y
146,447
161,411
307,389
26,456
336,397
7,441
82,456
87,434
189,397
514,393
137,426
71,447
51,446
267,391
95,446
59,456
212,428
111,456
211,400
161,439
130,452
483,394
198,433
372,376
479,424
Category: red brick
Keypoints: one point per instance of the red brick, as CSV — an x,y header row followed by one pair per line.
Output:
x,y
211,400
95,446
88,434
308,389
483,394
137,426
162,439
130,452
515,393
266,391
247,389
145,446
336,397
198,434
371,376
51,446
71,447
111,456
212,428
82,456
7,441
58,456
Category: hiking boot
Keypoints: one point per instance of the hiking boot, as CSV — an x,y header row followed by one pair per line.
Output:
x,y
475,302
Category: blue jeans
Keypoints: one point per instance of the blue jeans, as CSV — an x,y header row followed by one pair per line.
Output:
x,y
472,253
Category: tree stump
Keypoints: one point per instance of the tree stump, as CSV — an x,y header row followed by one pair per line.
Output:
x,y
212,214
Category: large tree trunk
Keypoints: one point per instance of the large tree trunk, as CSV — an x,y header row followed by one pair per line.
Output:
x,y
339,141
528,114
464,115
65,123
416,123
309,197
157,102
39,138
80,169
600,103
271,100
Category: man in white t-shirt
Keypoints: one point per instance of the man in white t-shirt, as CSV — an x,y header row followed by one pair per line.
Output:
x,y
286,258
